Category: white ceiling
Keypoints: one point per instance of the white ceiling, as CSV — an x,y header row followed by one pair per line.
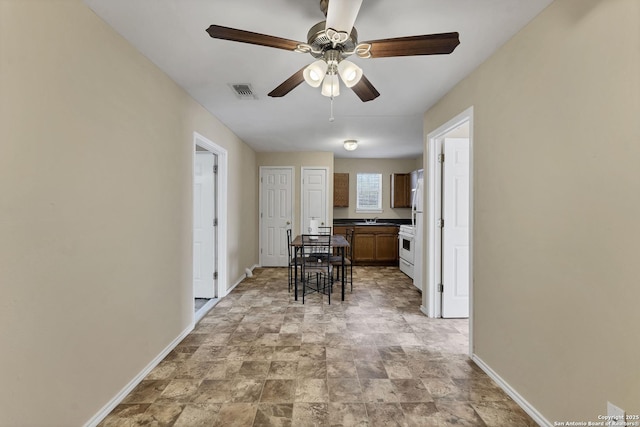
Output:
x,y
171,33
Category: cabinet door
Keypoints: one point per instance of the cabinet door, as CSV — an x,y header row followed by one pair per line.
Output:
x,y
340,190
400,190
386,247
364,247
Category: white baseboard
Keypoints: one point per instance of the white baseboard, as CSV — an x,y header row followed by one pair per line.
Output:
x,y
205,309
244,276
102,414
236,284
424,310
106,410
526,406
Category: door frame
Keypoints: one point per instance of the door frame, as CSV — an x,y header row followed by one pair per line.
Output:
x,y
431,301
220,242
261,224
326,203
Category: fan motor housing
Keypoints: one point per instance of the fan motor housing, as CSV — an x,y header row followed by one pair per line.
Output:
x,y
318,40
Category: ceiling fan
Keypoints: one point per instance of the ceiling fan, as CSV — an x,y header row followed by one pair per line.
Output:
x,y
331,42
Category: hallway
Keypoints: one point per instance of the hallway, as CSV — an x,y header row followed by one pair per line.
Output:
x,y
259,358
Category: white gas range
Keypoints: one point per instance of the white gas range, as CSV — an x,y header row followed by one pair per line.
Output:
x,y
406,238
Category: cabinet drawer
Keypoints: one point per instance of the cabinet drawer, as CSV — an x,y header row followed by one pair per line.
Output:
x,y
406,268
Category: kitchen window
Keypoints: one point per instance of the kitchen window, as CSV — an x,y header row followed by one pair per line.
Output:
x,y
369,192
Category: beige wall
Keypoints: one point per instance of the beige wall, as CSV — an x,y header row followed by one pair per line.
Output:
x,y
95,214
556,185
384,166
298,160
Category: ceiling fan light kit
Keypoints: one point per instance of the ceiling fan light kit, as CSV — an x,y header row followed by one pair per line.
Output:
x,y
326,71
331,42
349,72
331,86
314,73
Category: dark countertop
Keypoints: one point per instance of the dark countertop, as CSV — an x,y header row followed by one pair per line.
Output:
x,y
380,221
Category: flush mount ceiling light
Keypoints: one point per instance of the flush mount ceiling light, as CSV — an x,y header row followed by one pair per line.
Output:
x,y
350,144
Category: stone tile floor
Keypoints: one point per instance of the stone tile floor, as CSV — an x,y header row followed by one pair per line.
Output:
x,y
259,358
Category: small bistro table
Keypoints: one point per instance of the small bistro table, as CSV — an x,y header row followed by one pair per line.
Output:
x,y
337,241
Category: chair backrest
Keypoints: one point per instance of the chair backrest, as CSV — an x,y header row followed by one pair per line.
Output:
x,y
349,237
289,243
324,230
319,244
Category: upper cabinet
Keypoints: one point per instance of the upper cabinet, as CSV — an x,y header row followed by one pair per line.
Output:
x,y
401,190
340,190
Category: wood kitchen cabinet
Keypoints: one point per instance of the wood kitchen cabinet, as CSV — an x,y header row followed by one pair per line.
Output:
x,y
340,229
375,245
340,190
401,190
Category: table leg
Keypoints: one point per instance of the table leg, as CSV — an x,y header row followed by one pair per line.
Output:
x,y
295,271
342,251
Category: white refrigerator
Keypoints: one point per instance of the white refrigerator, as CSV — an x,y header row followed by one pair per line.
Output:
x,y
417,217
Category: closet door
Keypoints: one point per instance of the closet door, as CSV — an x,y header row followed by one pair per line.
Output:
x,y
275,215
314,201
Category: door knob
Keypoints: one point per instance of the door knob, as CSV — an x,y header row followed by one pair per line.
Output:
x,y
288,222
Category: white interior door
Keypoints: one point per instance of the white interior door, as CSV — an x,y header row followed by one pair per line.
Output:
x,y
276,215
455,234
203,225
314,197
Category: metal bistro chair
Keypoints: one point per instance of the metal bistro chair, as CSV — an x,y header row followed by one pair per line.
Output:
x,y
336,260
293,258
324,230
316,270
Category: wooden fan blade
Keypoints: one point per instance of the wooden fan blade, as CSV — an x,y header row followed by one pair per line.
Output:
x,y
429,44
226,33
288,85
365,90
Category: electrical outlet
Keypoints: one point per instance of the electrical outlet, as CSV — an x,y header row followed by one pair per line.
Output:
x,y
614,413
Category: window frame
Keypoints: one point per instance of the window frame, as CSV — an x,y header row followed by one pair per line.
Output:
x,y
369,209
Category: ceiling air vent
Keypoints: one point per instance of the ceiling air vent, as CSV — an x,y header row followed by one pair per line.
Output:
x,y
243,91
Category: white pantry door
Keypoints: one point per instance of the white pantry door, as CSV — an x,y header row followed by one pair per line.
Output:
x,y
455,235
203,228
276,215
314,198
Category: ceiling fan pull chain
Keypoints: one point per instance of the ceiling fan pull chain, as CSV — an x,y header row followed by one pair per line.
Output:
x,y
331,118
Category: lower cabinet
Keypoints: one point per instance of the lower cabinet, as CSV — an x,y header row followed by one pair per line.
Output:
x,y
372,244
340,229
375,245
